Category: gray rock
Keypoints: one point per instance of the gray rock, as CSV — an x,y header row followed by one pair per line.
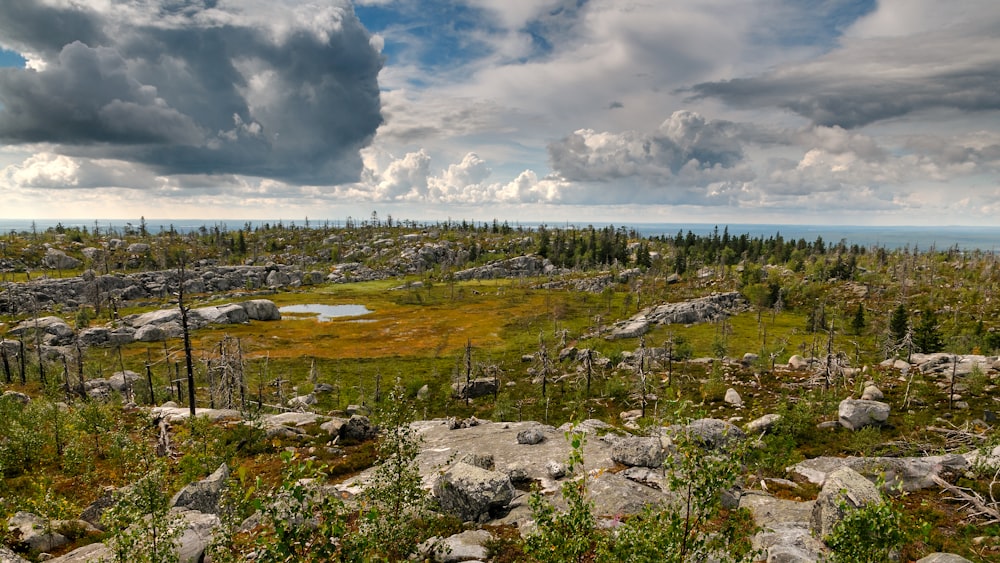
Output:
x,y
635,451
16,396
733,398
472,493
8,556
479,387
150,333
86,554
943,558
797,362
749,359
556,469
714,433
58,260
531,436
910,473
845,490
262,310
203,495
763,424
302,401
120,380
94,336
469,545
297,419
333,426
358,429
34,533
613,495
483,461
872,393
197,534
55,331
855,414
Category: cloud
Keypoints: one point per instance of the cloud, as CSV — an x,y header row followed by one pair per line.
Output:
x,y
891,64
269,89
685,142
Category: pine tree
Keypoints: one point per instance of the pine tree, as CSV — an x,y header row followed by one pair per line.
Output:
x,y
926,336
899,324
858,322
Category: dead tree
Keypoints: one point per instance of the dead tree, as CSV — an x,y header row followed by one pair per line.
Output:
x,y
187,339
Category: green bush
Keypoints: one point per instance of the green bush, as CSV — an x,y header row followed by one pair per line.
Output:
x,y
869,534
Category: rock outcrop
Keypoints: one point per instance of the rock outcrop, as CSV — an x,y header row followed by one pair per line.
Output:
x,y
694,311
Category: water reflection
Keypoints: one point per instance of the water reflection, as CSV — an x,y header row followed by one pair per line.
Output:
x,y
325,312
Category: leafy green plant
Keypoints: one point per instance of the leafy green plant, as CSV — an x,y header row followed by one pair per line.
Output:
x,y
867,535
564,536
140,525
694,528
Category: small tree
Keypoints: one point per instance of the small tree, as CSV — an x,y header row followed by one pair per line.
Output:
x,y
858,322
926,335
899,325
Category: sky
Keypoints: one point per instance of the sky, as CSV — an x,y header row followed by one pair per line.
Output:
x,y
827,112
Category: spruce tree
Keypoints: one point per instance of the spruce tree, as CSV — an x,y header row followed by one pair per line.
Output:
x,y
858,322
926,336
899,323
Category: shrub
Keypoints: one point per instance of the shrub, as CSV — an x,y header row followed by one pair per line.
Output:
x,y
869,534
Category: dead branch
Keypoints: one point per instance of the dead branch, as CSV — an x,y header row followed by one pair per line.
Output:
x,y
971,498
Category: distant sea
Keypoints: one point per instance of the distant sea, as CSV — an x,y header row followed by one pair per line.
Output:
x,y
912,237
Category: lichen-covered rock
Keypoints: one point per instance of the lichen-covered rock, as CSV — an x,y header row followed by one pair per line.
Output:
x,y
845,490
943,558
203,495
713,433
33,533
479,387
473,493
762,424
855,414
358,429
635,451
530,436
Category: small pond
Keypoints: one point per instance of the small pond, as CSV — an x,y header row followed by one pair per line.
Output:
x,y
325,312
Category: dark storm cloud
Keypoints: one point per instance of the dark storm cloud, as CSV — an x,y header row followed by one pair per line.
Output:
x,y
188,88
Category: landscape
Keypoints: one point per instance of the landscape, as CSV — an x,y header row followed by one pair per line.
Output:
x,y
462,380
590,281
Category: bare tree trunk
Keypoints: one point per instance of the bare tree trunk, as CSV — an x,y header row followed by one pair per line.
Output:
x,y
187,341
6,364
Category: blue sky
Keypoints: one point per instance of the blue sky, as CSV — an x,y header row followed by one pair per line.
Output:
x,y
773,111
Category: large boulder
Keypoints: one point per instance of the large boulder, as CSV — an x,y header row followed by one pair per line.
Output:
x,y
943,558
122,380
8,556
262,310
33,533
154,318
637,451
473,493
58,260
479,387
469,545
55,331
855,414
196,535
358,429
845,490
713,433
222,314
86,554
203,495
909,473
